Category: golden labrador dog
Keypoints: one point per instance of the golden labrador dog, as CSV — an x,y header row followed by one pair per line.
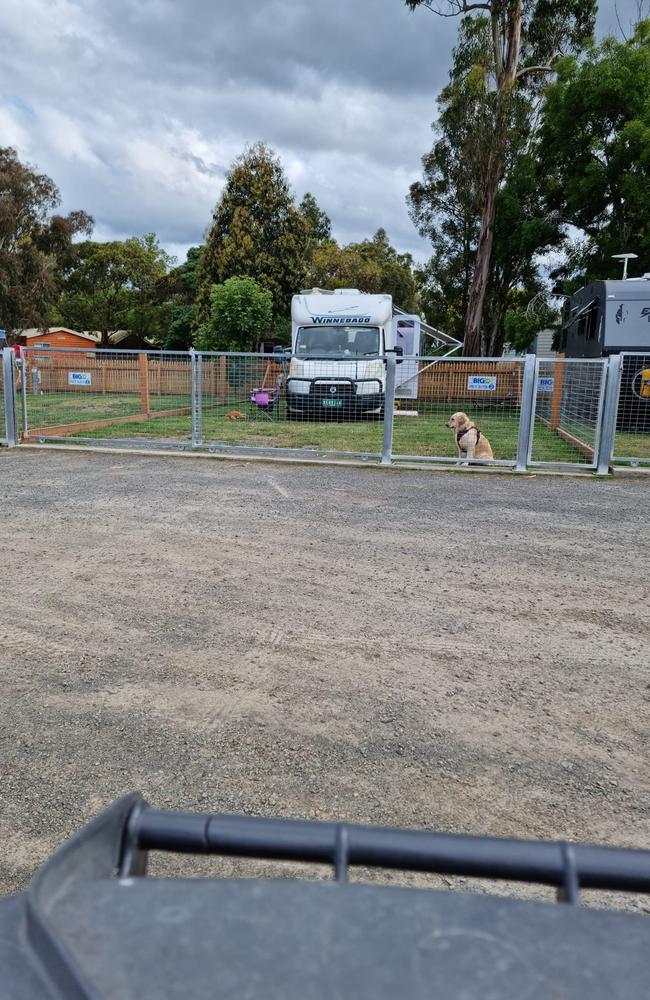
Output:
x,y
471,443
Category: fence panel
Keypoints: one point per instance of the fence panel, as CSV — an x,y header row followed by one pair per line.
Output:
x,y
568,409
632,440
107,395
306,405
487,390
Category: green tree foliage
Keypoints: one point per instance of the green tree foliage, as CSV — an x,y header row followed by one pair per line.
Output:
x,y
240,314
33,242
506,51
108,286
318,221
178,291
371,266
523,231
446,204
524,320
594,152
257,231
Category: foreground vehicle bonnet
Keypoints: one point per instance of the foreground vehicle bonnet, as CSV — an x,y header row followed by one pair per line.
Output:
x,y
91,925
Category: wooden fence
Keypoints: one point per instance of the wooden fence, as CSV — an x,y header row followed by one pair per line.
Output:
x,y
163,377
448,381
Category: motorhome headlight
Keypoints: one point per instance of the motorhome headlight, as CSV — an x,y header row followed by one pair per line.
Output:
x,y
296,367
375,369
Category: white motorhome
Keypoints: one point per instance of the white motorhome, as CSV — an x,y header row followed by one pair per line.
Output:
x,y
338,342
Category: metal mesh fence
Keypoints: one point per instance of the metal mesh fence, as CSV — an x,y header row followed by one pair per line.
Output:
x,y
632,440
480,396
217,401
105,394
568,409
451,410
3,427
318,405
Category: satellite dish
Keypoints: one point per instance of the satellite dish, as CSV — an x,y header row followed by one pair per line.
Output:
x,y
624,257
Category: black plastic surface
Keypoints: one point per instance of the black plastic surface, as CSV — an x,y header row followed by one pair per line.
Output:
x,y
81,932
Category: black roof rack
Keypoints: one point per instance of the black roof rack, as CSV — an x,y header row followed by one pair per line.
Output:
x,y
568,867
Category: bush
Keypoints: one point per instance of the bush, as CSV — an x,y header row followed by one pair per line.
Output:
x,y
240,316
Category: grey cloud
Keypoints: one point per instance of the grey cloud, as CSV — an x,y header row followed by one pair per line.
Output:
x,y
136,108
210,169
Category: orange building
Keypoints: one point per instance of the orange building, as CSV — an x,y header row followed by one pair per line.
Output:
x,y
56,336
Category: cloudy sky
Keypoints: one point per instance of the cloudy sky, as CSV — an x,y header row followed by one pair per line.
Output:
x,y
136,107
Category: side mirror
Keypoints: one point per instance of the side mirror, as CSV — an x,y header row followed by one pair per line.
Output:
x,y
399,352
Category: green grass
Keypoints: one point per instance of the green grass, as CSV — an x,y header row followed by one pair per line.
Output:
x,y
631,445
424,435
74,407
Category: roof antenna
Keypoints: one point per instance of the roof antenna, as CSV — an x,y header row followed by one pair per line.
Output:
x,y
624,257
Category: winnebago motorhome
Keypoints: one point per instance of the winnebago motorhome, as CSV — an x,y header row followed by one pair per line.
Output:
x,y
338,343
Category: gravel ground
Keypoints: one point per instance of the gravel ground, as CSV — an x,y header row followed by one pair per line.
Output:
x,y
457,652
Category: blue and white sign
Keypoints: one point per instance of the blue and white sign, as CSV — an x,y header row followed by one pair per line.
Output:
x,y
545,384
79,378
482,383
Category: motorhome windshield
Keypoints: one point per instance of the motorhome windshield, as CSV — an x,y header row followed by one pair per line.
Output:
x,y
341,341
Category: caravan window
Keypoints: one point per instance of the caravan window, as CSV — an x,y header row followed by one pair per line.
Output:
x,y
592,323
338,341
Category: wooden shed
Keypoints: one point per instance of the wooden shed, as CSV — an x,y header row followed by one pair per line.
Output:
x,y
56,336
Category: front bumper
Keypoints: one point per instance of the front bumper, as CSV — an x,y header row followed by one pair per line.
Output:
x,y
335,398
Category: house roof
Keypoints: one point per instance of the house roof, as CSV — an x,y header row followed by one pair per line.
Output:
x,y
115,337
33,333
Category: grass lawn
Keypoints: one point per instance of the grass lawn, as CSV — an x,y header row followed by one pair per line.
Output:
x,y
423,435
632,445
73,407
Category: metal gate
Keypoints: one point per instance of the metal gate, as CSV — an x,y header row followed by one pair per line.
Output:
x,y
567,414
632,438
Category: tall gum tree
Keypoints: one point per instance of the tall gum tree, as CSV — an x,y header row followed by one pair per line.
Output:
x,y
527,38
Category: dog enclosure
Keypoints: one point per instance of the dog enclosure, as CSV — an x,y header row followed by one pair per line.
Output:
x,y
560,412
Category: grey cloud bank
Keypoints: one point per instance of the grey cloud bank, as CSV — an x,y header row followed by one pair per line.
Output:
x,y
136,109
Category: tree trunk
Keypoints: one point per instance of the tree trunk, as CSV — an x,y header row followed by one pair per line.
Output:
x,y
476,302
496,338
506,70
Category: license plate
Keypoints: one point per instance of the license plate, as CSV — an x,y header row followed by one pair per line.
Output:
x,y
332,402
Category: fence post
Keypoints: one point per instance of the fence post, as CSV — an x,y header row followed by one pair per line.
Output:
x,y
610,413
528,391
556,398
193,392
9,391
389,408
223,380
23,391
143,364
199,398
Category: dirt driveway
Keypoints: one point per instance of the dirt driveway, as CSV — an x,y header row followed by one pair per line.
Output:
x,y
456,652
